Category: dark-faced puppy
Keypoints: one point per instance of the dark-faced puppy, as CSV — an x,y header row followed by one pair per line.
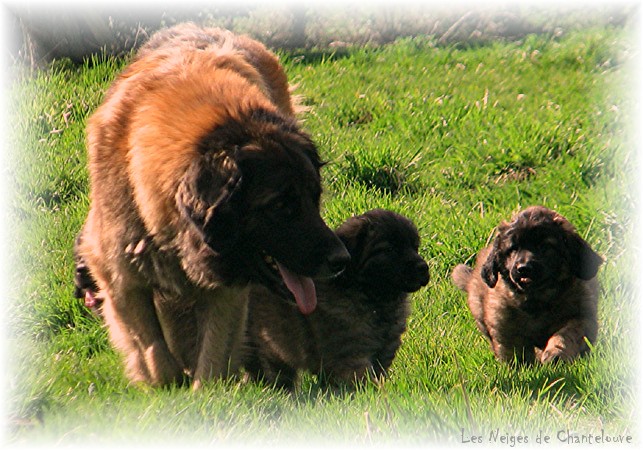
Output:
x,y
533,292
361,314
199,173
85,287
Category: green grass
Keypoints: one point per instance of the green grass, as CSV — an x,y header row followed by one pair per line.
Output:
x,y
456,139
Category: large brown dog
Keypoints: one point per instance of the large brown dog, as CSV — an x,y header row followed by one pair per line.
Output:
x,y
356,329
533,292
199,171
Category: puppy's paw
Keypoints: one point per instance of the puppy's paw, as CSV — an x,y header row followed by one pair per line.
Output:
x,y
557,350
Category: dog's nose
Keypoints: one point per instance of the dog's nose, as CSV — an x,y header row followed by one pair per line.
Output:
x,y
525,270
422,270
338,260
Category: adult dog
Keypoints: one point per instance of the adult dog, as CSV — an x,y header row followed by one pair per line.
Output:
x,y
356,329
199,172
533,292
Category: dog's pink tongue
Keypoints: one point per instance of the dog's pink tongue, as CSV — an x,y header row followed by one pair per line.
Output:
x,y
90,299
303,288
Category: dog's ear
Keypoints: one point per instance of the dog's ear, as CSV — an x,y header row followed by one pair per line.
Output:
x,y
491,267
354,233
585,260
206,196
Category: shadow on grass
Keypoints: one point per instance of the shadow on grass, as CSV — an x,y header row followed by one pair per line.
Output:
x,y
560,382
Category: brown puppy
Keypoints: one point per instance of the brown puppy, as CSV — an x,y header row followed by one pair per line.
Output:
x,y
85,287
533,292
198,172
357,326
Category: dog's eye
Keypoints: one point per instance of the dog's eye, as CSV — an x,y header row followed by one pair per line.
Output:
x,y
278,206
284,205
384,247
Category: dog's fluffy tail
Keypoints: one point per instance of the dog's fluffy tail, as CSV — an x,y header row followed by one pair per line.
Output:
x,y
461,276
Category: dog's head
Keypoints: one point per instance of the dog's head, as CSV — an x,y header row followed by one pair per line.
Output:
x,y
539,249
85,286
254,192
83,281
384,252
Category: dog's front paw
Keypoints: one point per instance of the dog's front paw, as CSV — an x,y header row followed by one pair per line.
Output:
x,y
556,350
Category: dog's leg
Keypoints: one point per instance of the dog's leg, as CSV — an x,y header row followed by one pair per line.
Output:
x,y
261,364
134,329
179,325
567,343
511,350
222,323
128,308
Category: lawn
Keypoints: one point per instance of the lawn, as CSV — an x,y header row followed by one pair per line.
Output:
x,y
457,139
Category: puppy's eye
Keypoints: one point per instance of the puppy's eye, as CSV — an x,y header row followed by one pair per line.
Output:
x,y
384,247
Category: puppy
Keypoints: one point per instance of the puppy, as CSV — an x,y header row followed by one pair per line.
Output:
x,y
533,292
85,287
357,326
201,182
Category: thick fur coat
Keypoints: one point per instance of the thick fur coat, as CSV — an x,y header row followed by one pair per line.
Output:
x,y
199,173
357,327
533,292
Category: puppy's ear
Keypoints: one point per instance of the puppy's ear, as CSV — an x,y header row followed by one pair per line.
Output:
x,y
586,261
491,267
206,196
353,233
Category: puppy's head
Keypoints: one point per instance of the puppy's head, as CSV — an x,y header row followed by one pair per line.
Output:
x,y
254,192
384,252
85,286
539,249
83,281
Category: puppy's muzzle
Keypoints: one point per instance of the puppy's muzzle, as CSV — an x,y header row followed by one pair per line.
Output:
x,y
525,274
422,273
417,275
